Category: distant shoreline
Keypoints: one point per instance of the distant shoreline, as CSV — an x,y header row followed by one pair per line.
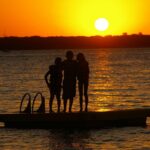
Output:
x,y
78,42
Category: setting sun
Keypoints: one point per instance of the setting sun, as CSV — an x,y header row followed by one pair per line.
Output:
x,y
74,17
101,24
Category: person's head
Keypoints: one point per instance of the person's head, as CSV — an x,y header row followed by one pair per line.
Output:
x,y
58,61
80,57
69,55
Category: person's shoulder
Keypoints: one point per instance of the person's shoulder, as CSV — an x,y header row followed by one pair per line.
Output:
x,y
64,62
52,67
86,65
74,61
87,62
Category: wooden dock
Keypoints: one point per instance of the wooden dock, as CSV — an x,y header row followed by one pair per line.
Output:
x,y
85,120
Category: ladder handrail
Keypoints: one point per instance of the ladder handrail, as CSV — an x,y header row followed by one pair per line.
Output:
x,y
42,101
29,101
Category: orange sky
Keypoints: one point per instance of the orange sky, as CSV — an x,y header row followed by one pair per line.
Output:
x,y
72,17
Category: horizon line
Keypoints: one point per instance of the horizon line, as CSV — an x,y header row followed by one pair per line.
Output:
x,y
109,35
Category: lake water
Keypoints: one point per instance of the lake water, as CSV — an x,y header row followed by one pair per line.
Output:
x,y
119,79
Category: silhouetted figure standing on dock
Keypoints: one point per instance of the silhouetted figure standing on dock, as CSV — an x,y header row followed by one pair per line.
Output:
x,y
54,82
69,82
83,80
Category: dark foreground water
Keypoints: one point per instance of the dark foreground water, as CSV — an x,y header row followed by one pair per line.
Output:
x,y
119,79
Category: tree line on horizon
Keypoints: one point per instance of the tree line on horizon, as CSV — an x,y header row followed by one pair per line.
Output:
x,y
74,42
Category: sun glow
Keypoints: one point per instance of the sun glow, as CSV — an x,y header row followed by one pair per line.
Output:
x,y
45,18
101,24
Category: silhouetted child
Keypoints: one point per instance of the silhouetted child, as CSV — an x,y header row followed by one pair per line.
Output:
x,y
69,82
54,82
83,79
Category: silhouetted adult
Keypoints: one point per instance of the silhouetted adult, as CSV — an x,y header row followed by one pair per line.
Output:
x,y
54,82
83,79
69,82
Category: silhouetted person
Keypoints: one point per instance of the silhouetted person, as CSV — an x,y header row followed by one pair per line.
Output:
x,y
54,82
69,82
83,79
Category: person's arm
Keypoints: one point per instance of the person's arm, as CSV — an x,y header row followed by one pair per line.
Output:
x,y
77,71
88,69
46,78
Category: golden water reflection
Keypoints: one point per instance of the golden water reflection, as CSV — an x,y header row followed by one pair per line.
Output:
x,y
103,82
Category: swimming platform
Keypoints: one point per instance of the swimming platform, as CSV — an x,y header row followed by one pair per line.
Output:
x,y
79,120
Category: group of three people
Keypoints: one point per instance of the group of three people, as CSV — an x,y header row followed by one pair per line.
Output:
x,y
69,70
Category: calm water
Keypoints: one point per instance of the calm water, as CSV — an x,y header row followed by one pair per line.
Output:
x,y
119,79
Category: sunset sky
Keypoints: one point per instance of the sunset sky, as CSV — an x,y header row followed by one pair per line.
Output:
x,y
73,17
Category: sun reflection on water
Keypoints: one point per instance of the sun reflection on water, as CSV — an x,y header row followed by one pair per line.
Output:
x,y
103,82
